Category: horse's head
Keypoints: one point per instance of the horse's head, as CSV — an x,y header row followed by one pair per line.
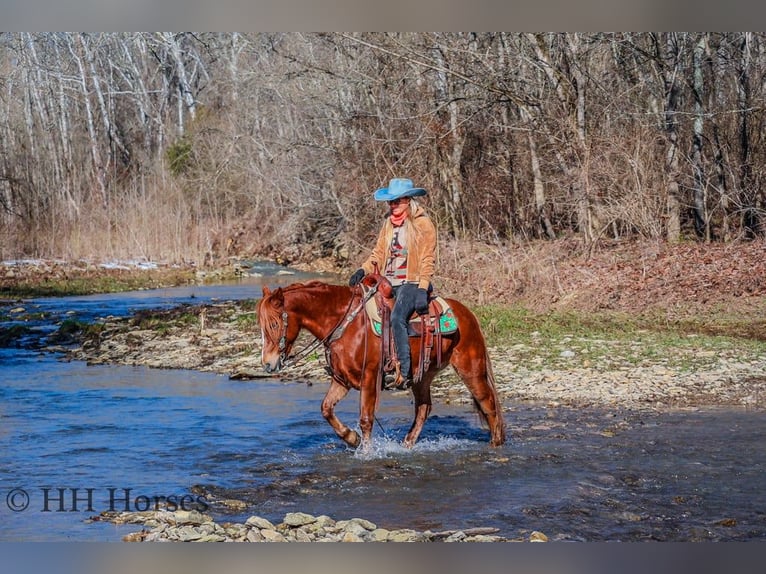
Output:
x,y
277,332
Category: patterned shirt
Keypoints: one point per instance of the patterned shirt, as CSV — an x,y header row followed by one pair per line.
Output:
x,y
396,267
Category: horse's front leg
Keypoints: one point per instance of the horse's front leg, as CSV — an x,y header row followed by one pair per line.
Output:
x,y
368,399
334,394
422,394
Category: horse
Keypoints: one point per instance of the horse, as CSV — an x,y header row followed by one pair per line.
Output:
x,y
334,315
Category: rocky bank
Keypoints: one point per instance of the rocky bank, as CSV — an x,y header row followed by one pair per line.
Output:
x,y
194,526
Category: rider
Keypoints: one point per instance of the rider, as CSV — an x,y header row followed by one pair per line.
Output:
x,y
406,251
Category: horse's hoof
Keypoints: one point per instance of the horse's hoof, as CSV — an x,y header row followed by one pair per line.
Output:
x,y
353,439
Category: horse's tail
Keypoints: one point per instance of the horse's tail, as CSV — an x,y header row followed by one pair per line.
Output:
x,y
496,399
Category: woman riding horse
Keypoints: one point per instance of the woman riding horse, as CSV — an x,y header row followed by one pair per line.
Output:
x,y
406,252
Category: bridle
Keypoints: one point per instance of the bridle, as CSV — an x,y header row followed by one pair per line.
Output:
x,y
336,333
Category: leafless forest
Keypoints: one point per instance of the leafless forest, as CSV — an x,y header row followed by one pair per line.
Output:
x,y
198,146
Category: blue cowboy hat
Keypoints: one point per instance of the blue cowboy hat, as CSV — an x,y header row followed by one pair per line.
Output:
x,y
398,187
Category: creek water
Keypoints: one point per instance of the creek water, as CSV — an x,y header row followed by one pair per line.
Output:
x,y
76,440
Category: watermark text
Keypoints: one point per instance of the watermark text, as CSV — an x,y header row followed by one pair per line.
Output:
x,y
112,499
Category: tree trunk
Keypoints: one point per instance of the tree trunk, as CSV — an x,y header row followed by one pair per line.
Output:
x,y
750,217
672,164
701,218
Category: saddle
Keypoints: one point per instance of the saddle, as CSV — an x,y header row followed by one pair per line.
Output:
x,y
430,328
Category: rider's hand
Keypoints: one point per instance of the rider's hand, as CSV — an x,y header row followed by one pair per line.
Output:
x,y
357,277
421,301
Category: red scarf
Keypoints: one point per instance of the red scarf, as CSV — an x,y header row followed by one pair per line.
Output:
x,y
397,221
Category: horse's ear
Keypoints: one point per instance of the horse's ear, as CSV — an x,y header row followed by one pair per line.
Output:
x,y
266,291
278,295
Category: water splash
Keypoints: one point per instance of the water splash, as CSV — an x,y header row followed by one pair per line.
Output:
x,y
389,446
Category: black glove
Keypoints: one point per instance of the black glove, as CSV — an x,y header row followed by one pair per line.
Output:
x,y
357,277
421,301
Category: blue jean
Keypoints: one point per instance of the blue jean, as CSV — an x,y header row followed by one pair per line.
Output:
x,y
400,315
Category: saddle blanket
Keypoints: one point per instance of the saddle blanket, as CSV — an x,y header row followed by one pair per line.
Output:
x,y
447,320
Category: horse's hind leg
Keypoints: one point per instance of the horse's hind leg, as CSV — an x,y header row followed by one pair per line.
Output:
x,y
422,394
486,400
478,379
334,394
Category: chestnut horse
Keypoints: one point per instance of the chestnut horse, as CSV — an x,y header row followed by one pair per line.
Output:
x,y
334,315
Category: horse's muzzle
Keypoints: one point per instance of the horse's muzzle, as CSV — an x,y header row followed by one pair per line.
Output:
x,y
273,367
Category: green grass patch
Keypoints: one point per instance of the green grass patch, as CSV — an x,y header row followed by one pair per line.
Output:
x,y
247,321
614,341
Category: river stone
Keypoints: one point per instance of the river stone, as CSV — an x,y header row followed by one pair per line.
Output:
x,y
352,527
260,523
188,533
273,536
538,537
456,537
379,535
484,538
366,524
351,537
325,521
301,535
191,517
154,536
254,536
212,538
135,537
298,519
404,535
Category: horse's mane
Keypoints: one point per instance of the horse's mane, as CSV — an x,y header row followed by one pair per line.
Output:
x,y
307,284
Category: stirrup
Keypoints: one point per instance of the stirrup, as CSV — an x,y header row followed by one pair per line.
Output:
x,y
396,382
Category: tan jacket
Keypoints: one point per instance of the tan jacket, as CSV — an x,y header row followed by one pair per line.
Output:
x,y
421,248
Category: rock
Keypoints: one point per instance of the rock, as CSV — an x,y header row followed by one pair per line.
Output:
x,y
456,537
298,519
351,537
135,537
260,523
169,526
355,528
366,524
234,504
273,536
188,534
254,536
300,535
404,535
538,537
190,517
379,535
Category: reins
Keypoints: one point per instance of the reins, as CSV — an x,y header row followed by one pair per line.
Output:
x,y
335,334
